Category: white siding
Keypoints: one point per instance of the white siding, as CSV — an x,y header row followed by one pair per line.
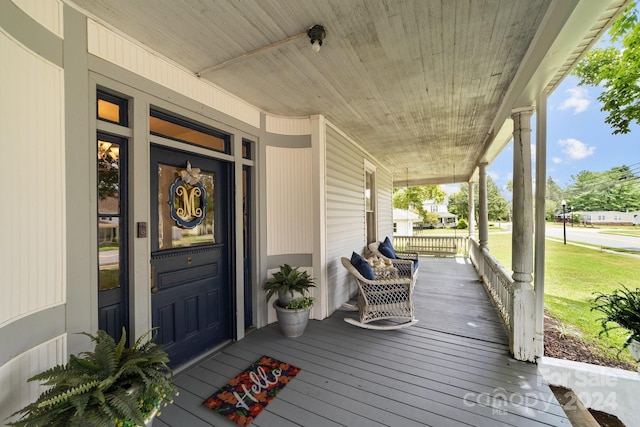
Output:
x,y
345,216
289,201
15,392
46,12
32,214
288,125
384,182
114,48
345,211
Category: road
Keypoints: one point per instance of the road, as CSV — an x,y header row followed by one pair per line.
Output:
x,y
595,236
108,258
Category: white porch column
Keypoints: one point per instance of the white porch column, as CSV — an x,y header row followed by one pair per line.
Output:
x,y
523,316
483,207
540,224
472,211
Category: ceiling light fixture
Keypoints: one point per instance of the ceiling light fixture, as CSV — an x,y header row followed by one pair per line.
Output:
x,y
316,34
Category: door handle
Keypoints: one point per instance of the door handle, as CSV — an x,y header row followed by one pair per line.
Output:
x,y
154,288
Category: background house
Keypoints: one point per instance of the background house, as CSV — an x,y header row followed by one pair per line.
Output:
x,y
606,217
445,219
403,221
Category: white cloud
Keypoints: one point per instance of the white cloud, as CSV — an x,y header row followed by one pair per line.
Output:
x,y
575,149
494,175
450,188
556,160
578,100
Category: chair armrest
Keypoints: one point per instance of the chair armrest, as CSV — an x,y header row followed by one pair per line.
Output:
x,y
405,267
407,255
387,282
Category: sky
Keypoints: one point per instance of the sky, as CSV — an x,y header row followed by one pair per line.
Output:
x,y
578,139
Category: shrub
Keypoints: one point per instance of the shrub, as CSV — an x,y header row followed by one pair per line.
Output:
x,y
462,224
111,385
621,309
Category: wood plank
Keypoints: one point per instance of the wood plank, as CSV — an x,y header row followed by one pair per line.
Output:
x,y
431,378
418,376
381,400
397,404
382,350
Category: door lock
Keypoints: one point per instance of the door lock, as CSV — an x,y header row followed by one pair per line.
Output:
x,y
154,288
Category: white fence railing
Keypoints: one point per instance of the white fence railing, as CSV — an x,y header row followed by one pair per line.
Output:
x,y
497,281
433,245
515,301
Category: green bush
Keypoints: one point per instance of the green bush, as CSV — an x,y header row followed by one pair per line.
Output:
x,y
111,385
462,224
620,308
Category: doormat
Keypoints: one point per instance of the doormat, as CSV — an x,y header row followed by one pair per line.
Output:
x,y
246,395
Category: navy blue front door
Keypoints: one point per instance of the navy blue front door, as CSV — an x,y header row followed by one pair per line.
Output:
x,y
191,293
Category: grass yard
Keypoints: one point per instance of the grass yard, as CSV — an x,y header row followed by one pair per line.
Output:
x,y
572,275
633,232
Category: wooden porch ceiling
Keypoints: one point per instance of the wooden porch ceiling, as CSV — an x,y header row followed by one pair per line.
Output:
x,y
451,369
425,86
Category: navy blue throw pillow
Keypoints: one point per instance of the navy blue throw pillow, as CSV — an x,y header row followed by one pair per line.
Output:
x,y
386,249
362,266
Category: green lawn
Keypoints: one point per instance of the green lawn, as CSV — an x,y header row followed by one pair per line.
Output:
x,y
572,275
632,232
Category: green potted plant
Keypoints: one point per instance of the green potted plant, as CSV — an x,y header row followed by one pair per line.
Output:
x,y
292,313
113,385
621,309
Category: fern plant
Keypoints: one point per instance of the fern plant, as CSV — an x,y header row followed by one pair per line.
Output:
x,y
621,309
112,385
287,280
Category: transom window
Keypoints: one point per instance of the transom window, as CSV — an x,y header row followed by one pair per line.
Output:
x,y
171,127
112,108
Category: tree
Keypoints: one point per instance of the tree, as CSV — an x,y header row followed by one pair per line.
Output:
x,y
459,202
553,201
496,203
413,198
617,189
617,70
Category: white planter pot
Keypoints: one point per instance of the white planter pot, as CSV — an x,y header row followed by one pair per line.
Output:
x,y
149,421
634,349
292,322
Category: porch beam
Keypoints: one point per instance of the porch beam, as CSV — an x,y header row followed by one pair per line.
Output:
x,y
523,318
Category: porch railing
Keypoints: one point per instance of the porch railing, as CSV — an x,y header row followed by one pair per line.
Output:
x,y
433,245
515,301
496,280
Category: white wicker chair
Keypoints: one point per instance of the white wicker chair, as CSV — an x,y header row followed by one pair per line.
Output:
x,y
388,297
404,264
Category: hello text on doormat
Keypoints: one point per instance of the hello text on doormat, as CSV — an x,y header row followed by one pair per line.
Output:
x,y
246,395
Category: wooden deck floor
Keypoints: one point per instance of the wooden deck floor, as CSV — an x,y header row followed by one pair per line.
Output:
x,y
451,369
